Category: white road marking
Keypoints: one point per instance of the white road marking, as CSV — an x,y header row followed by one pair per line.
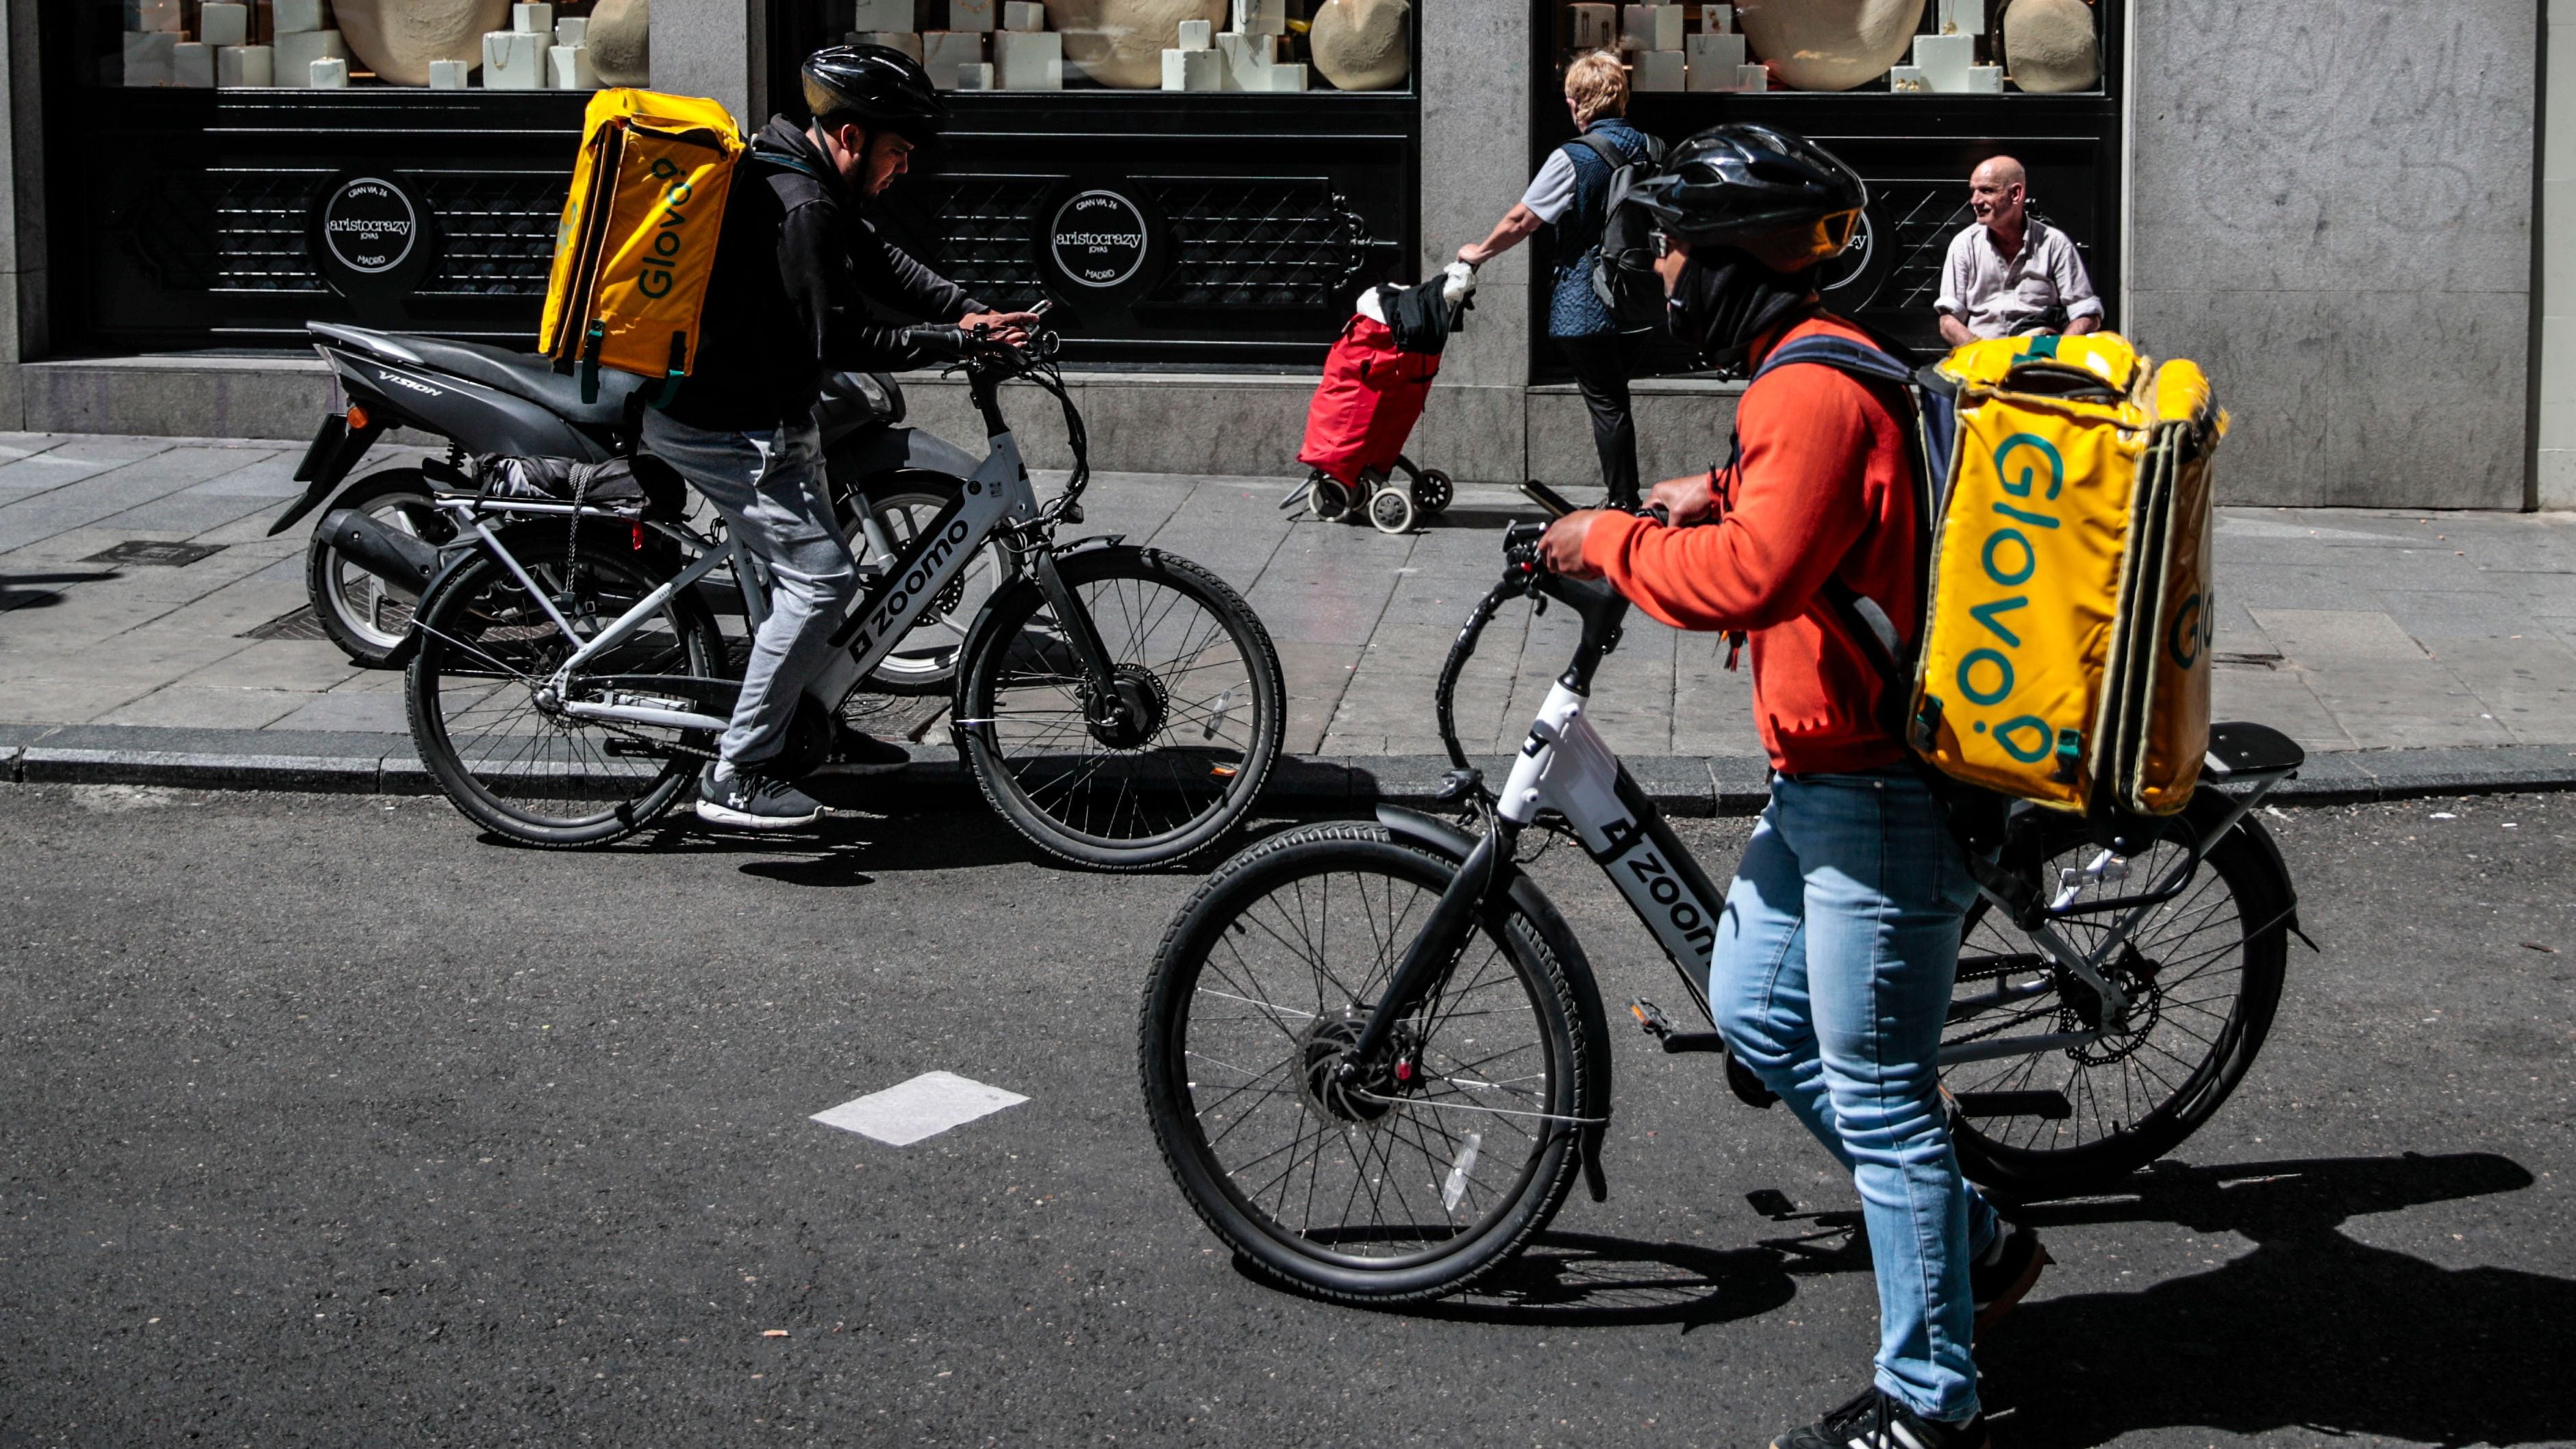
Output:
x,y
926,1106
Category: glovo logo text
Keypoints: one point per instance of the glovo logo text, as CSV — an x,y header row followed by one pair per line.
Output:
x,y
2193,630
669,221
2030,470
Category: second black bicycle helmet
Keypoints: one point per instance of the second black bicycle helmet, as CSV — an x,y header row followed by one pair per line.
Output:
x,y
877,86
1777,197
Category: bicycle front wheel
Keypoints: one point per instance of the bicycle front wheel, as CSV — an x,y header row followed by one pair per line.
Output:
x,y
1161,783
2203,976
493,734
1428,1169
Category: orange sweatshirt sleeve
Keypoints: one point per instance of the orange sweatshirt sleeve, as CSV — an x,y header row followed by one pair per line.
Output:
x,y
1796,511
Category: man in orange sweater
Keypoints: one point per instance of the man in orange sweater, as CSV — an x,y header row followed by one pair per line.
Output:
x,y
1834,962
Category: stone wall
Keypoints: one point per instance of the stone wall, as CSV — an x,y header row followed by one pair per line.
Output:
x,y
2554,454
2331,208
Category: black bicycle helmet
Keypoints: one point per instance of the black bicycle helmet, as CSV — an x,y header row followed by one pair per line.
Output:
x,y
1779,198
877,86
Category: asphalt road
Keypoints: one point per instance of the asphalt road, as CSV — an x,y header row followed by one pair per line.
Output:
x,y
324,1122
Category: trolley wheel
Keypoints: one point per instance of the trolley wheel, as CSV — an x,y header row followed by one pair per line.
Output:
x,y
1433,491
1328,499
1391,509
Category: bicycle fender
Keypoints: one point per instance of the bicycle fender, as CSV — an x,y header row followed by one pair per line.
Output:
x,y
1447,841
1001,603
2280,869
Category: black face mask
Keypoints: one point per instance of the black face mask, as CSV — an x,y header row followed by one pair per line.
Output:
x,y
1722,304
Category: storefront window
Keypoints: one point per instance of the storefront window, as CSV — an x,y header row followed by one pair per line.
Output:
x,y
1913,93
394,162
1197,182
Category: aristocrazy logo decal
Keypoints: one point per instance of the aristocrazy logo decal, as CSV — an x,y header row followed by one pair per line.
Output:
x,y
1099,239
2030,470
369,225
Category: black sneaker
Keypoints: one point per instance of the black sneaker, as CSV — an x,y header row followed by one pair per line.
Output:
x,y
856,752
749,800
1875,1421
1998,1280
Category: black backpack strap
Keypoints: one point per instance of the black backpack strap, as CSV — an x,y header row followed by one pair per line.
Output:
x,y
1602,146
1861,616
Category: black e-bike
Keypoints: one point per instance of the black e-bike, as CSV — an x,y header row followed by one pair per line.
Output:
x,y
1375,1056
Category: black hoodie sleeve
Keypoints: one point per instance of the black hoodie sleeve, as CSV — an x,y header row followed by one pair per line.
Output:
x,y
826,294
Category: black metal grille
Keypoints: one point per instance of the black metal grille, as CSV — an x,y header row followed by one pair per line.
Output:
x,y
1925,217
1260,242
987,225
1271,242
497,229
259,230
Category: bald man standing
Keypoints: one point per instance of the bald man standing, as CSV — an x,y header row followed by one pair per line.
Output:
x,y
2012,273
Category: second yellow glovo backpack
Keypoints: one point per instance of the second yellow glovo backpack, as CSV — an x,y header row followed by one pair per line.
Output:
x,y
638,237
2064,657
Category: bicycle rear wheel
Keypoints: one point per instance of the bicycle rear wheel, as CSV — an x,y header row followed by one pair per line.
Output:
x,y
1149,790
2203,972
1429,1170
492,736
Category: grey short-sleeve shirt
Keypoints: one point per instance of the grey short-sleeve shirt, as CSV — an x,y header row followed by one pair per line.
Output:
x,y
1551,191
1996,297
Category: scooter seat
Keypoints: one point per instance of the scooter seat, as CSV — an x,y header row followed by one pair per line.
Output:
x,y
520,374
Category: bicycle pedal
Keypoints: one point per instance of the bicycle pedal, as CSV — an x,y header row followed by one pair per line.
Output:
x,y
1651,1018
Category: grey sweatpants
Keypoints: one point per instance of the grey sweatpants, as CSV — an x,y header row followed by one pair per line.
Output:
x,y
769,487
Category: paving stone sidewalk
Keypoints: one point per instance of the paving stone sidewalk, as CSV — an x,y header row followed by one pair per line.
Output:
x,y
2350,630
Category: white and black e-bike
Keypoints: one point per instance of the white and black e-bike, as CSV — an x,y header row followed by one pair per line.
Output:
x,y
1118,706
1375,1056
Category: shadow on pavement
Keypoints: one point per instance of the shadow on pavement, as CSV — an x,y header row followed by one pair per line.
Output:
x,y
2311,1329
1585,1280
29,591
1483,517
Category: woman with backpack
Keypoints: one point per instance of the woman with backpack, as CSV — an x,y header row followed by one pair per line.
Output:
x,y
1571,194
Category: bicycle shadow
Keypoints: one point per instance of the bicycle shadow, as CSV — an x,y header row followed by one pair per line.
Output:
x,y
1585,1280
2312,1329
842,850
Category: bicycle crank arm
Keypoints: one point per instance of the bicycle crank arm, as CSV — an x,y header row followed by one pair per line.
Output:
x,y
2050,1106
641,714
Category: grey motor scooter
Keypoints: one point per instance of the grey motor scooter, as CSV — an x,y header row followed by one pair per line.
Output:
x,y
383,540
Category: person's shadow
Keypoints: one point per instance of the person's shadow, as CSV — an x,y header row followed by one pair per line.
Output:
x,y
2311,1330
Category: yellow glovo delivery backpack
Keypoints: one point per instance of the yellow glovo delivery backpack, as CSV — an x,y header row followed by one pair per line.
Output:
x,y
638,238
2064,648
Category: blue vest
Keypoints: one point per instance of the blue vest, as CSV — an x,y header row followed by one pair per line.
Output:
x,y
1572,309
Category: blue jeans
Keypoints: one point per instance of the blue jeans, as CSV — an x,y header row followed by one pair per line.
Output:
x,y
1831,978
769,487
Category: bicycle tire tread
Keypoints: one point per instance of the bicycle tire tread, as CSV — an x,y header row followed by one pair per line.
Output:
x,y
1551,1191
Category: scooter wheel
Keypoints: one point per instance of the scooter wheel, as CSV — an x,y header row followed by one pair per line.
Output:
x,y
1328,498
1434,491
1391,509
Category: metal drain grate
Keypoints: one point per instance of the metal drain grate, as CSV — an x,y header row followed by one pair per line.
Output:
x,y
301,624
157,554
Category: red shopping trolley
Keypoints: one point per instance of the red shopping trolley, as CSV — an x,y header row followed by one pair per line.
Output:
x,y
1375,382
